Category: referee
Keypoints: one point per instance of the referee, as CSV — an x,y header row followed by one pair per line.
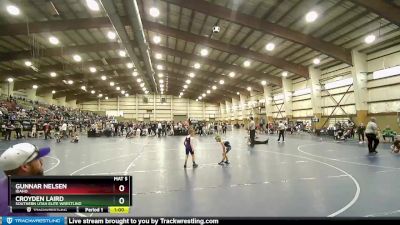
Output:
x,y
252,130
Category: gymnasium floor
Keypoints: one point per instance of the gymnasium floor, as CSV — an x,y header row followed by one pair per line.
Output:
x,y
305,176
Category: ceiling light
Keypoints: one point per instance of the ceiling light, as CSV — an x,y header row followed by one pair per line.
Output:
x,y
208,91
237,93
53,74
103,77
221,82
191,75
246,63
263,83
53,91
311,16
146,92
126,95
92,5
34,86
144,89
122,92
28,63
70,82
122,53
100,95
154,12
117,88
197,65
142,85
270,46
232,74
188,81
214,87
92,69
77,58
204,95
106,98
93,92
203,52
369,39
83,88
160,75
248,88
112,84
158,56
316,61
161,85
181,93
161,81
13,10
179,96
284,74
10,80
111,35
53,40
156,39
138,80
185,86
197,100
160,67
200,98
135,73
129,65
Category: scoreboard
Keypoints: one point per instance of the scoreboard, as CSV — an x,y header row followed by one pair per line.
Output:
x,y
70,194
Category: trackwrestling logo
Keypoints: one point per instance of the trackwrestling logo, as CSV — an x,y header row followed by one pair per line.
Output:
x,y
33,220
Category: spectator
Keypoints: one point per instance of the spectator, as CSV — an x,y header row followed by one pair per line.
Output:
x,y
9,128
22,159
46,129
281,128
371,131
388,133
360,132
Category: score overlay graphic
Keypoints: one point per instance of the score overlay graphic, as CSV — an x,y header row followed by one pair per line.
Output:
x,y
91,194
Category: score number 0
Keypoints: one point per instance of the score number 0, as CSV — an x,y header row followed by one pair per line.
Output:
x,y
121,200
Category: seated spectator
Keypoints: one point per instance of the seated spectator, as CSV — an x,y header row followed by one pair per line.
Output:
x,y
388,133
339,134
347,134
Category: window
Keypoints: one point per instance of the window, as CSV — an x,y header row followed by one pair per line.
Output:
x,y
339,83
393,71
302,92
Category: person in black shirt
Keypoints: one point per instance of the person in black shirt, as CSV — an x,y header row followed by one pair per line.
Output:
x,y
164,130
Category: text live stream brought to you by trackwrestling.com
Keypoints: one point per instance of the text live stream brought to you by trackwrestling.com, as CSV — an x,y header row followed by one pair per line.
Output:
x,y
106,220
202,221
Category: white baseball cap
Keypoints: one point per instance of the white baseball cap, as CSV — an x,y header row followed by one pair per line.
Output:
x,y
20,154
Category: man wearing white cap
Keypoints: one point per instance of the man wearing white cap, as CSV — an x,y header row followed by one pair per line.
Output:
x,y
22,159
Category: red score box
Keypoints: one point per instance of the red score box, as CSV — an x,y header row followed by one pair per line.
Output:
x,y
121,188
74,189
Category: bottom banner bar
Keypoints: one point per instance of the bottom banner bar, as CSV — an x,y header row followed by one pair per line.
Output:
x,y
214,221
